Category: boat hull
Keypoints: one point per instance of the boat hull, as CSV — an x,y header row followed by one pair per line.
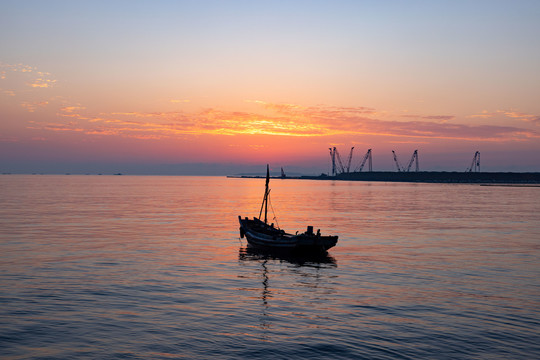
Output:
x,y
262,235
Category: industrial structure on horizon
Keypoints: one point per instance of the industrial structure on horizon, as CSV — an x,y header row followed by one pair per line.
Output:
x,y
339,167
345,171
475,165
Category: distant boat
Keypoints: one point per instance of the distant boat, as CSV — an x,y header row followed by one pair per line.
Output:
x,y
260,234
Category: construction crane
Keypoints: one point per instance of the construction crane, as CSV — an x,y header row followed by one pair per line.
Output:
x,y
413,158
399,168
349,160
475,164
337,168
366,157
408,168
333,159
341,169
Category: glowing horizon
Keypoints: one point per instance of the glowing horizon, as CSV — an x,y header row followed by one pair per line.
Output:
x,y
242,92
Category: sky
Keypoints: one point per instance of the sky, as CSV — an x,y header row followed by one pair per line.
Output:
x,y
224,87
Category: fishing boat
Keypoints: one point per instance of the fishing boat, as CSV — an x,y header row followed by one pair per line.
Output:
x,y
261,234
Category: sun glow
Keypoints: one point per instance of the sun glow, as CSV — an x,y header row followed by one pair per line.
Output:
x,y
247,85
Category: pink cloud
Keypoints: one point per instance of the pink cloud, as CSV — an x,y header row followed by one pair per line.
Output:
x,y
32,106
431,117
509,114
286,120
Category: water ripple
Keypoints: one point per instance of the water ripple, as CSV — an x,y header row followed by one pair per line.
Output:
x,y
152,267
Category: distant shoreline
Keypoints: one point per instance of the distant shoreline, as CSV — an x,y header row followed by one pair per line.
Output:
x,y
516,179
427,177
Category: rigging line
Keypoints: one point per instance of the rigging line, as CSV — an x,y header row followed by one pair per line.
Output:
x,y
273,212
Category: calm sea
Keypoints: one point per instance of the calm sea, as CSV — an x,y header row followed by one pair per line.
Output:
x,y
144,267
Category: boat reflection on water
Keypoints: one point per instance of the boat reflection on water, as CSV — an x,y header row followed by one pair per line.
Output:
x,y
313,260
296,286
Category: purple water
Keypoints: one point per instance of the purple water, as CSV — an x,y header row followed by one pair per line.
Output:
x,y
141,267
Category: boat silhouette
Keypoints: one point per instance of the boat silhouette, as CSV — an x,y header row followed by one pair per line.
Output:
x,y
261,234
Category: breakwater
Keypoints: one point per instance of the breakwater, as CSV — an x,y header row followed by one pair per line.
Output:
x,y
436,177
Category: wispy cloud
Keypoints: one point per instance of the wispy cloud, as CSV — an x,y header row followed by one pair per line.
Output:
x,y
32,106
42,83
72,112
26,86
34,77
523,116
509,114
265,118
442,118
283,120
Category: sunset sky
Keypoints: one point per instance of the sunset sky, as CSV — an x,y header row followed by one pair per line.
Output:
x,y
227,86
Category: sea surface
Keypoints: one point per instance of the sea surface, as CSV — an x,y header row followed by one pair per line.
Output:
x,y
150,267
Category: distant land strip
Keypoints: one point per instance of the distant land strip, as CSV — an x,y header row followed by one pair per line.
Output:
x,y
429,177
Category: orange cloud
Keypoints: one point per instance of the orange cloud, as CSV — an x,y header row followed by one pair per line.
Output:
x,y
71,126
34,78
16,68
284,120
72,112
523,116
484,114
32,106
510,114
442,118
272,119
40,83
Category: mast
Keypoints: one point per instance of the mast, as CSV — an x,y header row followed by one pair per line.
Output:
x,y
266,193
